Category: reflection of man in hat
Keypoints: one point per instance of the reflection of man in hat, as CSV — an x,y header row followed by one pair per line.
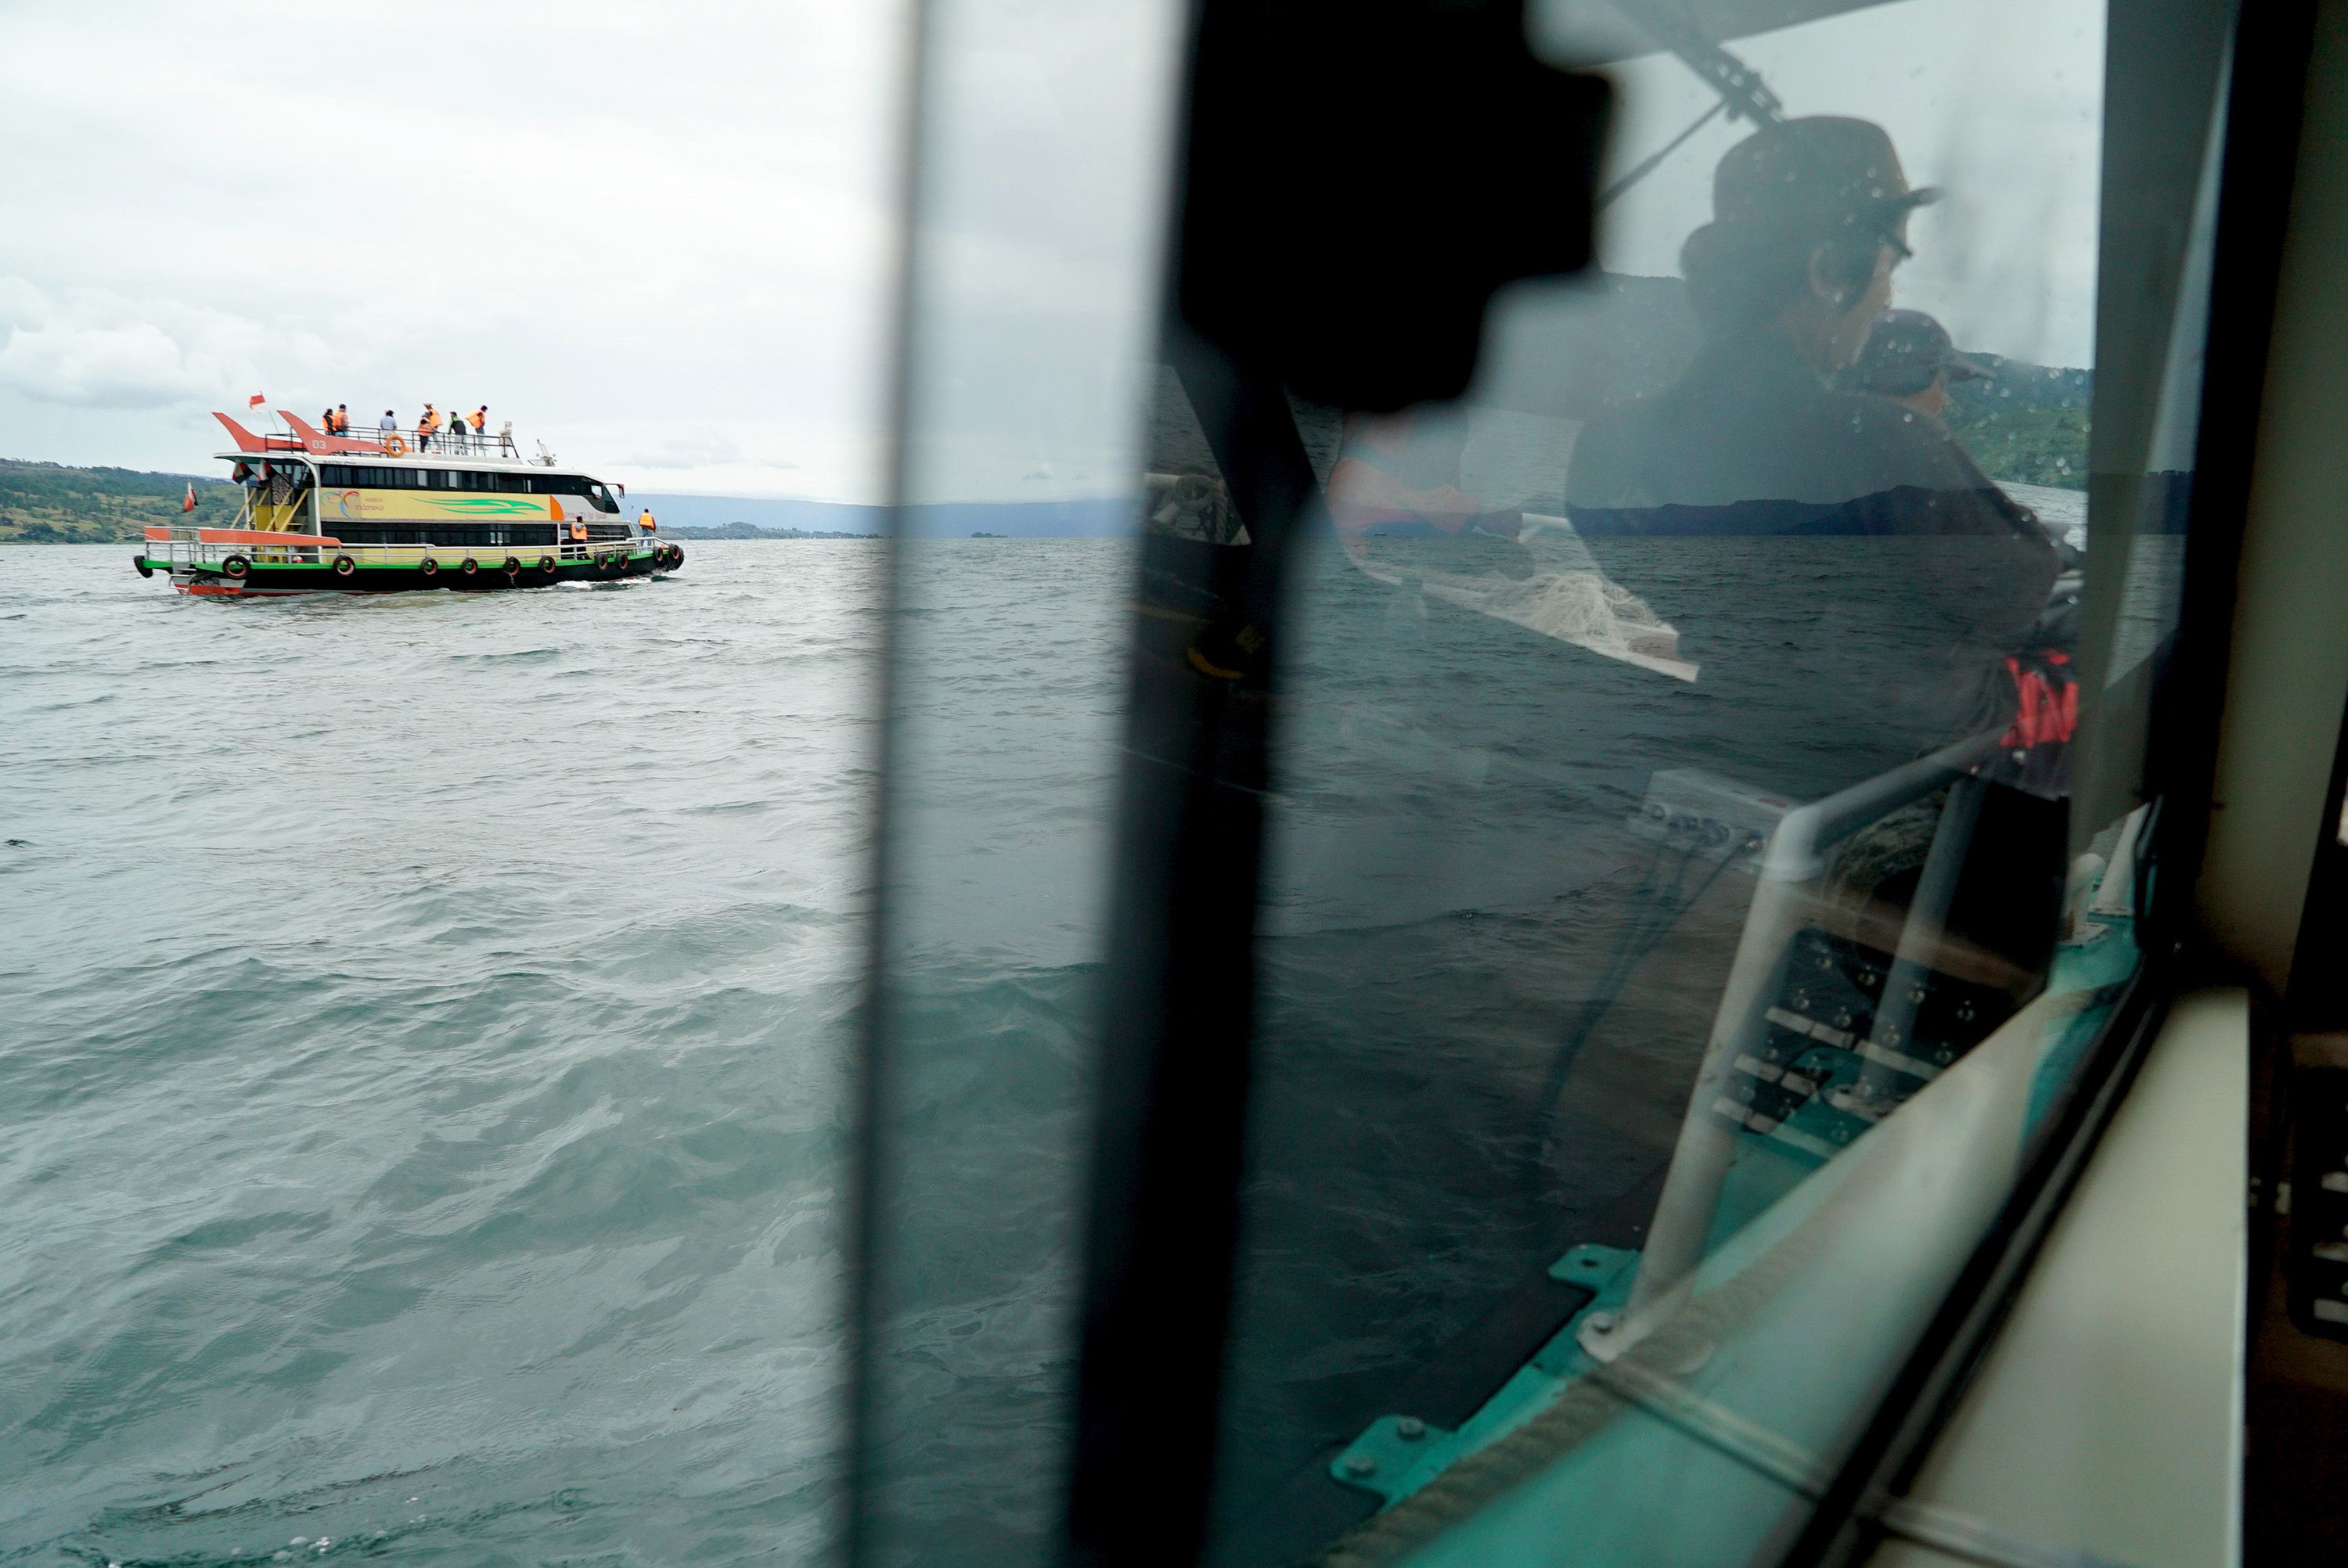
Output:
x,y
1846,579
1910,359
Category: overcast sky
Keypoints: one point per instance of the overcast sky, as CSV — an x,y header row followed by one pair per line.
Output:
x,y
1997,102
659,238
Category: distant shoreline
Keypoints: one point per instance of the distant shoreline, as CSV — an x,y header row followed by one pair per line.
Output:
x,y
745,531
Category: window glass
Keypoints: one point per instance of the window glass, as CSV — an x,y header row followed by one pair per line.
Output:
x,y
1776,516
1044,149
1708,764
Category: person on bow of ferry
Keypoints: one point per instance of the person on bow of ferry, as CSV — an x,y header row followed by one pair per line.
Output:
x,y
1847,581
479,420
342,419
427,424
644,523
389,424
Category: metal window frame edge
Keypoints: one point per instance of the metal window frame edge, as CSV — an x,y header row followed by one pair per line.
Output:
x,y
865,1177
2263,125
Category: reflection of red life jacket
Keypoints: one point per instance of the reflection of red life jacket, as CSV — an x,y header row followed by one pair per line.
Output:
x,y
2034,753
2046,697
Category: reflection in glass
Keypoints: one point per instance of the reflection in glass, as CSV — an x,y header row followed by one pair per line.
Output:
x,y
1673,754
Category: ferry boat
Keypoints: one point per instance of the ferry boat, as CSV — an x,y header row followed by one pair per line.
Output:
x,y
371,512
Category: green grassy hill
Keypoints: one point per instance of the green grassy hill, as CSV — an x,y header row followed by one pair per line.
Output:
x,y
2027,422
48,503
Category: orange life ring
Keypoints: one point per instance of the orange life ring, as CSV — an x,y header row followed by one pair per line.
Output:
x,y
394,446
579,532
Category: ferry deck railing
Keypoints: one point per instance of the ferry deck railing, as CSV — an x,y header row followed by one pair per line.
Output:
x,y
1792,869
191,547
454,442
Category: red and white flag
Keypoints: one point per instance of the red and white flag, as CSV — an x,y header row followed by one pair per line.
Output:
x,y
256,400
189,504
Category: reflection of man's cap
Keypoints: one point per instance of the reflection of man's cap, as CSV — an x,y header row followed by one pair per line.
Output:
x,y
1905,351
1815,174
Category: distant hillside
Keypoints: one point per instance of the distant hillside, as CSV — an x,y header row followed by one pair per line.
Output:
x,y
2027,422
49,502
748,518
749,531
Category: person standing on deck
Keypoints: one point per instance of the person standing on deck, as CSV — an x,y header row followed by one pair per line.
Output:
x,y
480,422
644,523
389,424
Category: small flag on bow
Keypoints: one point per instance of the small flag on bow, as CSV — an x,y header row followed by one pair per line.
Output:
x,y
189,504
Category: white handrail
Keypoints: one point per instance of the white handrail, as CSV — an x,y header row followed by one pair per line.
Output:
x,y
1794,861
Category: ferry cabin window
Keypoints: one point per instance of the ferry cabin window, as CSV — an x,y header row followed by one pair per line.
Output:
x,y
347,476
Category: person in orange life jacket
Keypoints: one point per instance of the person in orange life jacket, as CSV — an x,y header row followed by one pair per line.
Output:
x,y
481,421
326,421
342,419
644,523
1846,578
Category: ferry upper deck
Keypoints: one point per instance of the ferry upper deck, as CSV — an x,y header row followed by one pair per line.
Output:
x,y
489,451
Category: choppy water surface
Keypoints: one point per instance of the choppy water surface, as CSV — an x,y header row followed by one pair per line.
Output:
x,y
423,1025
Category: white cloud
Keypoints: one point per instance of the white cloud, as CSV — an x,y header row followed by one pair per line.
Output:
x,y
89,348
622,227
705,451
661,238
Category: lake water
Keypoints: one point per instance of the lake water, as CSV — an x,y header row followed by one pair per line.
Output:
x,y
419,1103
424,1025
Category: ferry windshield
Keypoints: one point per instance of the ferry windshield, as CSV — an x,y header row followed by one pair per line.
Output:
x,y
1778,500
1765,531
